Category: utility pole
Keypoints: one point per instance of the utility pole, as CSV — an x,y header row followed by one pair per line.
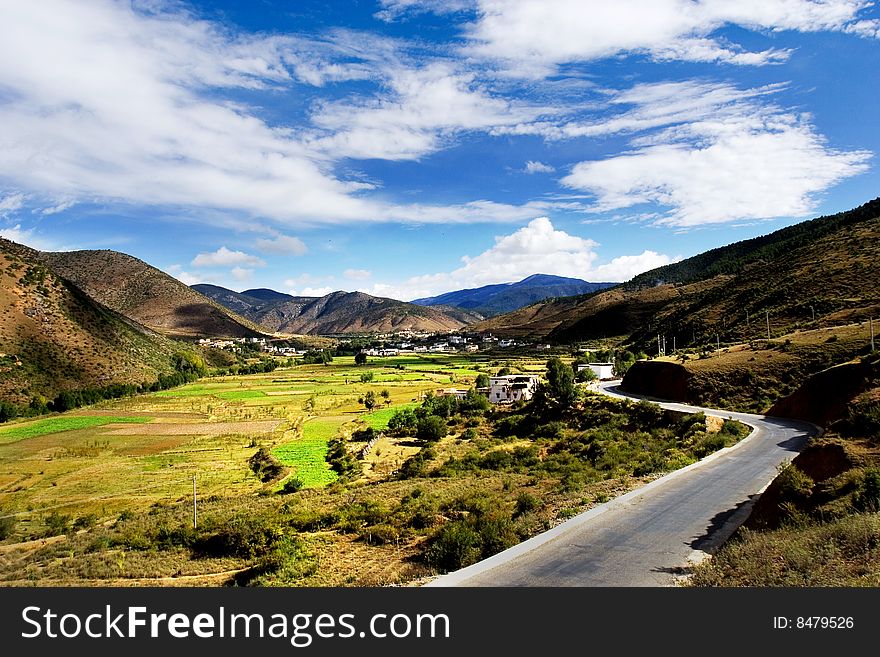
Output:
x,y
673,344
768,323
658,345
717,342
872,334
813,310
664,345
195,513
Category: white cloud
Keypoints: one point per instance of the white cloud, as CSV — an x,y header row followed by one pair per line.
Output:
x,y
183,276
60,206
224,257
357,274
537,248
395,9
625,267
722,155
242,274
283,245
11,203
538,167
422,108
532,37
311,291
104,102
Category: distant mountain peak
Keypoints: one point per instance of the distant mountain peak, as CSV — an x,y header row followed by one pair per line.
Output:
x,y
500,298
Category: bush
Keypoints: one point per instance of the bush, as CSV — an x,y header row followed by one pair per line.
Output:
x,y
454,546
7,526
265,466
525,502
291,486
431,428
403,422
57,523
242,536
867,497
794,483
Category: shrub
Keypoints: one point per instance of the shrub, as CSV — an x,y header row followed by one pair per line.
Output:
x,y
7,526
291,486
867,497
57,523
265,466
525,502
455,546
431,428
403,422
86,521
794,483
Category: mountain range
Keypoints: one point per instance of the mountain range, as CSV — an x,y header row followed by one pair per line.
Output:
x,y
336,313
826,268
492,300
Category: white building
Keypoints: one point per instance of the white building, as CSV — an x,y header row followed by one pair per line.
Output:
x,y
601,370
458,393
512,388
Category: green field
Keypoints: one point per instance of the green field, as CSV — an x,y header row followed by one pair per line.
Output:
x,y
58,424
307,454
378,420
241,394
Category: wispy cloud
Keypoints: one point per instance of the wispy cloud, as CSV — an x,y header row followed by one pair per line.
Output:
x,y
532,37
421,108
10,204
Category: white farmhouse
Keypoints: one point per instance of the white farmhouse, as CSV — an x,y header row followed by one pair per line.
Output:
x,y
601,370
512,388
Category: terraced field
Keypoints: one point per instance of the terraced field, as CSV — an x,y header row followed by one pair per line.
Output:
x,y
136,453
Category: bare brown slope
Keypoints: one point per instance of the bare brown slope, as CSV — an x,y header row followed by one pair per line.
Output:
x,y
54,338
151,297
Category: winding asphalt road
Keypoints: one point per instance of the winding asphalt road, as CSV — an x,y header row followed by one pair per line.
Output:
x,y
651,535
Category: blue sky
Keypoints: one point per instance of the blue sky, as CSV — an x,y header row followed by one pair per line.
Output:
x,y
411,147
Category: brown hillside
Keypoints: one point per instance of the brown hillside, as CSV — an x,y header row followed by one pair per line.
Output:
x,y
828,266
151,297
751,376
53,337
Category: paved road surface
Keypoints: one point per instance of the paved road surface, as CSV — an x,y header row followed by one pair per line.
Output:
x,y
648,536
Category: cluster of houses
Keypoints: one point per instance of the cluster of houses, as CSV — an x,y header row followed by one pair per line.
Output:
x,y
512,388
235,345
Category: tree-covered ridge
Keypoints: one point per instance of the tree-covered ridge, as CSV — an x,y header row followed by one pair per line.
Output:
x,y
731,259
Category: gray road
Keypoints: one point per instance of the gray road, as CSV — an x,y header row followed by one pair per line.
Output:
x,y
650,535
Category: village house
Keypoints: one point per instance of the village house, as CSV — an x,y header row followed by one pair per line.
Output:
x,y
512,388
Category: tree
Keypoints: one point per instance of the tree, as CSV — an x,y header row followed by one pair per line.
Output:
x,y
560,382
403,422
385,394
585,375
366,377
482,381
559,393
623,362
360,358
431,428
187,362
370,400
